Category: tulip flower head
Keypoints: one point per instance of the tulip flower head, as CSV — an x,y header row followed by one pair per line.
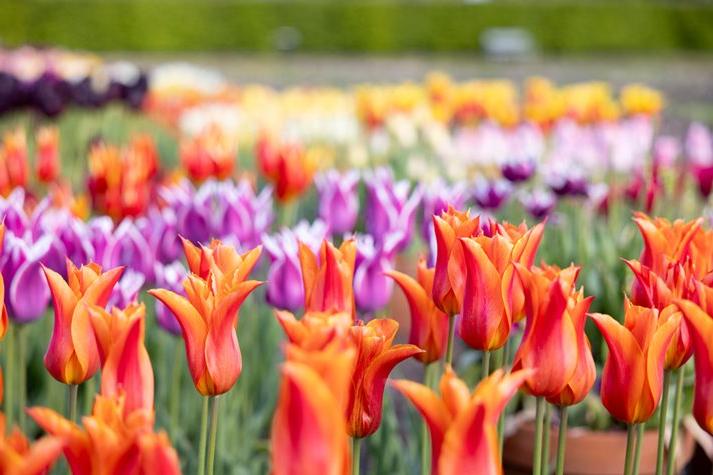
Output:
x,y
72,356
328,281
211,153
47,165
287,166
463,426
632,379
338,200
20,457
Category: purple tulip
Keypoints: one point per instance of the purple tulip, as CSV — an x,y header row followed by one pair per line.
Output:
x,y
12,212
169,277
71,237
27,294
518,170
284,278
338,200
128,247
436,199
390,207
539,203
160,230
127,289
372,288
245,216
491,194
568,184
100,233
699,152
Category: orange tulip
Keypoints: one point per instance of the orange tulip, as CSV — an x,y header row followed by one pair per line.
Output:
x,y
47,166
463,427
314,331
72,356
112,441
219,258
211,153
13,161
493,292
632,379
328,283
376,358
429,325
126,366
554,309
449,277
287,166
209,316
19,457
701,327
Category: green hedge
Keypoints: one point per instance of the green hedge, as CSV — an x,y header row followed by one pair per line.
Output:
x,y
376,26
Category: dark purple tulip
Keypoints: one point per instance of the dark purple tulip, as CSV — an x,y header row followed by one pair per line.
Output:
x,y
373,289
128,247
518,170
27,294
390,207
338,200
9,86
127,289
568,184
50,94
284,278
491,195
539,203
169,277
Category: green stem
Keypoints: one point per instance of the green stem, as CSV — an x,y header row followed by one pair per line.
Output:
x,y
676,419
637,450
10,379
662,423
503,415
72,390
90,389
537,452
486,365
429,372
451,337
21,374
629,448
356,452
213,433
203,437
561,440
546,440
174,397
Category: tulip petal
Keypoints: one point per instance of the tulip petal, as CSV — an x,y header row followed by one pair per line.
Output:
x,y
76,442
470,445
29,293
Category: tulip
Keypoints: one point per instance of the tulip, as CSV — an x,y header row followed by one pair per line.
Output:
x,y
338,200
20,457
72,355
328,282
100,233
128,247
127,289
315,330
372,289
539,203
71,236
632,379
247,216
161,233
209,314
699,154
518,169
491,195
463,425
14,160
664,241
436,200
27,294
284,278
47,166
211,153
287,166
429,325
169,277
126,367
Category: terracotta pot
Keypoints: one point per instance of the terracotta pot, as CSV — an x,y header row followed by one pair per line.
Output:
x,y
589,452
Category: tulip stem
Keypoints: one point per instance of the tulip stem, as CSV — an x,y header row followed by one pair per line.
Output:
x,y
429,373
662,422
90,389
72,390
173,401
671,463
486,365
637,450
501,420
213,433
451,337
356,455
203,436
546,440
21,374
561,440
10,376
537,452
629,447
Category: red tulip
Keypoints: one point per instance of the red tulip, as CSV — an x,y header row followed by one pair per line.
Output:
x,y
287,166
429,325
328,282
209,154
72,356
632,379
47,166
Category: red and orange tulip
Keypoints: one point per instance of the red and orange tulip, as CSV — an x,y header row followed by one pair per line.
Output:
x,y
47,165
429,325
463,427
555,310
314,331
19,457
632,379
220,259
13,161
328,281
211,153
72,356
287,166
126,366
376,358
208,318
449,277
701,327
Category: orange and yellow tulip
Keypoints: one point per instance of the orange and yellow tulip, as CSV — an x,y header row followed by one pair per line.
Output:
x,y
632,379
463,426
219,258
19,457
429,325
314,331
554,309
376,358
72,356
701,327
208,318
328,282
126,366
449,277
